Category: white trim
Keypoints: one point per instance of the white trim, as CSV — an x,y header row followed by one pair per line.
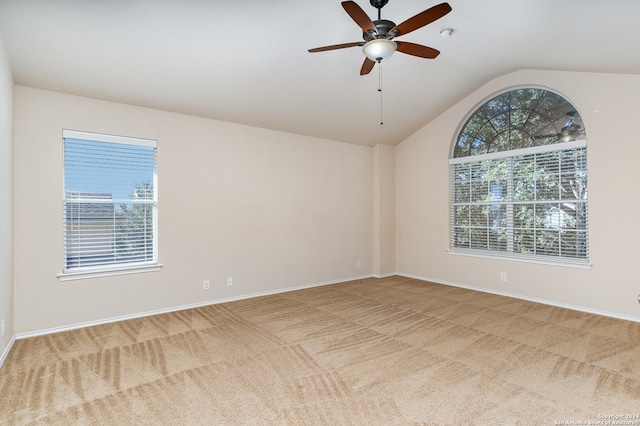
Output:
x,y
561,146
537,259
180,308
102,272
99,137
390,274
527,298
5,354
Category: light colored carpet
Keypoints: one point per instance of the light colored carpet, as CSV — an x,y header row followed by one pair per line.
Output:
x,y
394,351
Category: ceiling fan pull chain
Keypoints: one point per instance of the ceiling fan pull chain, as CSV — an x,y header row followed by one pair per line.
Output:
x,y
380,89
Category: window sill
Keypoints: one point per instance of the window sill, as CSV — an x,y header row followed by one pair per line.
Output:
x,y
97,273
515,258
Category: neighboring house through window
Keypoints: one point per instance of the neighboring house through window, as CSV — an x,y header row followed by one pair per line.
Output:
x,y
519,180
110,204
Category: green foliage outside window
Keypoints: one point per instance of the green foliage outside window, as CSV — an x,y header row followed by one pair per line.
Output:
x,y
134,229
527,195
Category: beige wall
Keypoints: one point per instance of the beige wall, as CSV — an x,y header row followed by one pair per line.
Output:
x,y
609,106
6,200
273,210
276,210
384,204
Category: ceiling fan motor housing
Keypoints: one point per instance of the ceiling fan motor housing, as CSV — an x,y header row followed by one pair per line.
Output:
x,y
383,26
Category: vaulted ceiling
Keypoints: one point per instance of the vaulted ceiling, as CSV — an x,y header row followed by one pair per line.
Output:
x,y
246,61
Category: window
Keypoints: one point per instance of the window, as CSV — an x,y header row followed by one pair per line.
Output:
x,y
519,180
109,204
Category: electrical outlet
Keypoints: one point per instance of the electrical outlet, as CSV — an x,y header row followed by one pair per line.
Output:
x,y
358,264
229,281
2,327
206,285
503,276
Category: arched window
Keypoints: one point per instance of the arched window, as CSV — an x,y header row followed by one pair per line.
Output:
x,y
519,179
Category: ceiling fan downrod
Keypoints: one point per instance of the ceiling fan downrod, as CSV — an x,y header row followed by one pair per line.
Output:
x,y
378,4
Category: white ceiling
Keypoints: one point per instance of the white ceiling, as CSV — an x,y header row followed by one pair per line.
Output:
x,y
246,61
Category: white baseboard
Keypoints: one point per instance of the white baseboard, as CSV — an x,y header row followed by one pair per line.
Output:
x,y
180,308
530,299
5,354
391,274
301,287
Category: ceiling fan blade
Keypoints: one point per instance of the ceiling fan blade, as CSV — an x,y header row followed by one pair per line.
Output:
x,y
367,66
336,46
416,50
359,16
421,19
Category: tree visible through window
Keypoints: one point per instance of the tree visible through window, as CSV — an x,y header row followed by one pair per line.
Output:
x,y
519,179
110,202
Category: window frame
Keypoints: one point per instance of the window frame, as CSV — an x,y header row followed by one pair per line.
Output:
x,y
508,253
108,269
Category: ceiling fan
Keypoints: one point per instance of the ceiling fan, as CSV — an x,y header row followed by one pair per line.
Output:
x,y
379,35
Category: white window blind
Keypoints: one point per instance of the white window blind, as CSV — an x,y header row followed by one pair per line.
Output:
x,y
109,202
532,205
519,180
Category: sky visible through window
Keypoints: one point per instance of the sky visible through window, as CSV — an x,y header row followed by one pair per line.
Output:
x,y
107,168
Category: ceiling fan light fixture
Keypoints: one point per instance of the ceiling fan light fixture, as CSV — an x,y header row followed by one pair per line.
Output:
x,y
379,49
